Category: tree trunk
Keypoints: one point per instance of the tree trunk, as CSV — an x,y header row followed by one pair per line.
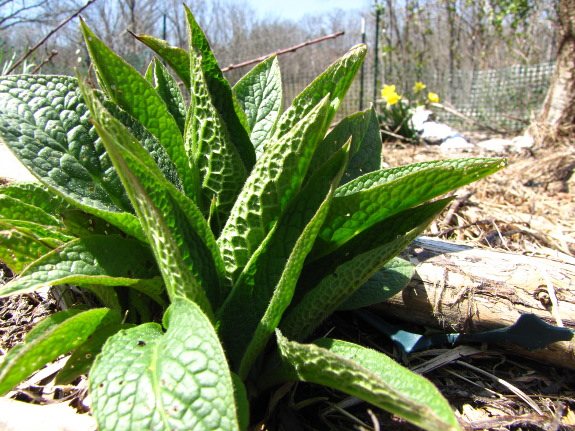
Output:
x,y
559,106
464,289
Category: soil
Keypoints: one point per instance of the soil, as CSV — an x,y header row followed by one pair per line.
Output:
x,y
529,207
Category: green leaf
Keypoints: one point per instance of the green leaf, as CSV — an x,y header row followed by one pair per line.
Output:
x,y
222,96
265,288
382,285
377,195
335,81
52,236
275,179
170,92
138,383
259,93
179,236
84,224
105,260
45,123
370,376
36,194
18,210
363,128
328,282
133,93
177,58
51,343
18,249
83,357
222,172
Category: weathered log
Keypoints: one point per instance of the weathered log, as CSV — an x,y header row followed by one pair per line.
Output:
x,y
459,288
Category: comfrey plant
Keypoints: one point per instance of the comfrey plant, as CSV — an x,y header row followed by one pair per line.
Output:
x,y
216,234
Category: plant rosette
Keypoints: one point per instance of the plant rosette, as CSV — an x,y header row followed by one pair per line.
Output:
x,y
216,233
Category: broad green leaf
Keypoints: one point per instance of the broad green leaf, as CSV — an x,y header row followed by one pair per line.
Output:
x,y
137,383
363,128
222,172
49,344
133,93
178,234
83,357
18,249
377,195
275,179
15,209
335,81
36,194
177,58
170,92
84,224
371,376
328,282
52,236
265,288
259,93
221,93
382,285
45,123
104,260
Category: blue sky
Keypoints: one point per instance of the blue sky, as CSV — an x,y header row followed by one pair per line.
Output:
x,y
296,9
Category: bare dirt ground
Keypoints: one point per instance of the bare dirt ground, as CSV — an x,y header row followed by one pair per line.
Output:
x,y
528,207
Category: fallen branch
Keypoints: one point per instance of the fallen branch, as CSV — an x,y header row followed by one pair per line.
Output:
x,y
465,289
283,51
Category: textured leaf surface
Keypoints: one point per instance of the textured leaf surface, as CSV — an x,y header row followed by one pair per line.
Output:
x,y
382,285
328,282
222,172
375,196
45,123
276,177
138,383
335,81
12,208
265,288
363,128
83,357
133,93
37,194
221,93
18,249
105,260
170,92
259,93
180,238
47,346
177,58
371,376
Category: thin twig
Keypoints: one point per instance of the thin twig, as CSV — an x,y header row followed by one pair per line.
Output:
x,y
50,34
283,51
46,60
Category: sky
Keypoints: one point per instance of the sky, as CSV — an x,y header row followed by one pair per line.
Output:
x,y
296,9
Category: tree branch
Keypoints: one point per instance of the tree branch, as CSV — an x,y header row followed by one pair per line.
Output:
x,y
50,34
283,51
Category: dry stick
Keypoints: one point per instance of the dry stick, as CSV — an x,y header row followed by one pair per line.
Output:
x,y
455,112
46,60
54,30
283,51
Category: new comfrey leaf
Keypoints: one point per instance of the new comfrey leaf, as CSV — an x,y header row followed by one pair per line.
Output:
x,y
197,250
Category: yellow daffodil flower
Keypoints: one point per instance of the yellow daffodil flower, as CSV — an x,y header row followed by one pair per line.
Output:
x,y
389,95
433,97
419,86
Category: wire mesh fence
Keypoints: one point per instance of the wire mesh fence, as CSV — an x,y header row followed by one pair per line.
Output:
x,y
504,98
